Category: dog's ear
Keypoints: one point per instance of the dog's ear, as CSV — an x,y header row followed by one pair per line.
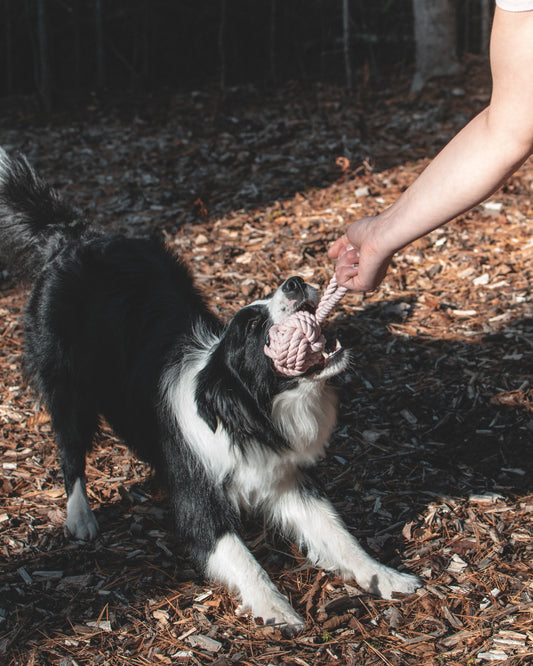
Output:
x,y
224,400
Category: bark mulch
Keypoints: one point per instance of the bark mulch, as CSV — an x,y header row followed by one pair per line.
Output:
x,y
431,464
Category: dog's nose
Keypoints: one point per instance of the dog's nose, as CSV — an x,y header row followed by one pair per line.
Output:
x,y
292,285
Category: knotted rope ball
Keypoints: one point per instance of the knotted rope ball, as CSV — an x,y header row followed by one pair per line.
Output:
x,y
297,343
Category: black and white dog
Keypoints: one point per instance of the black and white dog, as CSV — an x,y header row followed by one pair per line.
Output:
x,y
114,327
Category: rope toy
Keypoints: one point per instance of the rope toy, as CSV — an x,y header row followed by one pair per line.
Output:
x,y
297,343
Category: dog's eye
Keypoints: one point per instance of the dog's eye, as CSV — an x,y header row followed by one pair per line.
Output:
x,y
252,324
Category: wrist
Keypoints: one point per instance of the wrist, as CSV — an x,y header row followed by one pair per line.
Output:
x,y
405,221
388,232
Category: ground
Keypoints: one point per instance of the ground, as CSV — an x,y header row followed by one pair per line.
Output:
x,y
431,464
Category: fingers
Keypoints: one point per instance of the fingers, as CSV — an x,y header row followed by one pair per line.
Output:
x,y
347,268
361,263
347,276
350,278
360,271
339,247
353,238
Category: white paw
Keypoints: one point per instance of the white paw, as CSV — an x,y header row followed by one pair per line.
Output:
x,y
277,611
384,581
81,525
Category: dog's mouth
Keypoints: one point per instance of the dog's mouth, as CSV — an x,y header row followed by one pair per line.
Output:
x,y
333,349
306,306
332,354
332,359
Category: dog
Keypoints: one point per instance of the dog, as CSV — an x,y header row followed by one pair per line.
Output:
x,y
116,328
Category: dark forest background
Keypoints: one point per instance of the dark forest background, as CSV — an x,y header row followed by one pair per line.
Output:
x,y
55,47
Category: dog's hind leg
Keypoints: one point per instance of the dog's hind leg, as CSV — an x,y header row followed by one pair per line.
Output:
x,y
80,522
75,425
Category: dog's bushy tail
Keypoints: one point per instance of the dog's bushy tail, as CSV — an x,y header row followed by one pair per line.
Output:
x,y
35,224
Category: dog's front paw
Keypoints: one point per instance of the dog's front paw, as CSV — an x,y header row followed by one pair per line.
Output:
x,y
384,581
275,611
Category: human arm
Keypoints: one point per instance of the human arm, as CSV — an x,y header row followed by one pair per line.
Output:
x,y
468,169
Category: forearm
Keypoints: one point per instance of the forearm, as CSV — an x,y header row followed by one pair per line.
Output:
x,y
468,170
493,145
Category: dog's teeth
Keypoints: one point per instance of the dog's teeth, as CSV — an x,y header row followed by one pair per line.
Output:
x,y
327,355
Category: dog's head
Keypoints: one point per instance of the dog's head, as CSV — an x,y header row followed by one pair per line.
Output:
x,y
238,384
295,295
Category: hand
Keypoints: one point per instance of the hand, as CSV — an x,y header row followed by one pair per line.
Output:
x,y
361,264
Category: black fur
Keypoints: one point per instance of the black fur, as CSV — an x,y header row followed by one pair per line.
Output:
x,y
228,389
106,318
36,223
116,328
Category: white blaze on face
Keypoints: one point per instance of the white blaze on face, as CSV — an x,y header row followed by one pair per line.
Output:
x,y
280,306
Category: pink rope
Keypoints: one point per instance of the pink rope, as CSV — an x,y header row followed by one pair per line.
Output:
x,y
297,343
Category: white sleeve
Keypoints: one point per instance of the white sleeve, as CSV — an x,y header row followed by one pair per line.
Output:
x,y
515,5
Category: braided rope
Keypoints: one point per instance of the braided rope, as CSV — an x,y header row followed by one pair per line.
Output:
x,y
297,343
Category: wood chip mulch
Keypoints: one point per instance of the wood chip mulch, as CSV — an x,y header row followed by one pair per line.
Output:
x,y
431,465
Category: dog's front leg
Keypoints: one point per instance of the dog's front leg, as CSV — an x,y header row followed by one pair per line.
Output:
x,y
209,523
232,564
317,527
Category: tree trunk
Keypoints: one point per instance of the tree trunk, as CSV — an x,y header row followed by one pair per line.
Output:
x,y
44,61
346,43
466,31
485,25
272,42
8,48
222,44
147,42
436,41
77,42
100,55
